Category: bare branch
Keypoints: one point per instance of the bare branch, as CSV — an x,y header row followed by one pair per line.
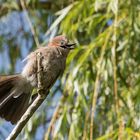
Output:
x,y
42,94
55,116
97,85
85,126
9,6
115,77
30,24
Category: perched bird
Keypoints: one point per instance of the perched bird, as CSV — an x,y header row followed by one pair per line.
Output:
x,y
15,90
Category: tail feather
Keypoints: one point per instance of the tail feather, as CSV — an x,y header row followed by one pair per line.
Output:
x,y
12,108
15,108
6,84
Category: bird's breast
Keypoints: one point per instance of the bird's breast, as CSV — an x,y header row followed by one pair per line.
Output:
x,y
52,68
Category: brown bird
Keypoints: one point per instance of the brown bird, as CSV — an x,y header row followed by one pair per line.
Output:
x,y
15,90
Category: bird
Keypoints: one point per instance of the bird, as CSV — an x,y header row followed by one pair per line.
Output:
x,y
16,90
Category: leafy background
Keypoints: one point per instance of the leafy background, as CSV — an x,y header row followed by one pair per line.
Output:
x,y
99,94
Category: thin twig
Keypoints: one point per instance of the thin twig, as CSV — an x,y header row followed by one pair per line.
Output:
x,y
55,116
85,126
121,129
114,59
52,122
97,85
30,24
34,106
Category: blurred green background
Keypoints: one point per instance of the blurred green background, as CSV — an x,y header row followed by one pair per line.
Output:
x,y
98,97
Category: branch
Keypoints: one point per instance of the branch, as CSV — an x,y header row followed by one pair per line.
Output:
x,y
34,106
7,7
84,137
55,116
30,24
97,84
114,59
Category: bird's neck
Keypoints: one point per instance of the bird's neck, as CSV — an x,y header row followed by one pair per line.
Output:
x,y
62,51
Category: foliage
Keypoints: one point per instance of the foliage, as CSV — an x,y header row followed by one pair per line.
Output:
x,y
105,63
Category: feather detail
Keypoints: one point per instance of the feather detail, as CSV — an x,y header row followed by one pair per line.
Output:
x,y
13,99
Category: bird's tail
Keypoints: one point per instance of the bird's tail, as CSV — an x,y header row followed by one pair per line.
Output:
x,y
14,97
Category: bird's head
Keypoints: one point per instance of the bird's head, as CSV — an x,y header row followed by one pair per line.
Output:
x,y
61,41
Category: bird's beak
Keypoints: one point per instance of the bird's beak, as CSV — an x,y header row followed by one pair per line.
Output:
x,y
70,46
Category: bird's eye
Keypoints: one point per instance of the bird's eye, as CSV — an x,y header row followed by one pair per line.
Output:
x,y
62,43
